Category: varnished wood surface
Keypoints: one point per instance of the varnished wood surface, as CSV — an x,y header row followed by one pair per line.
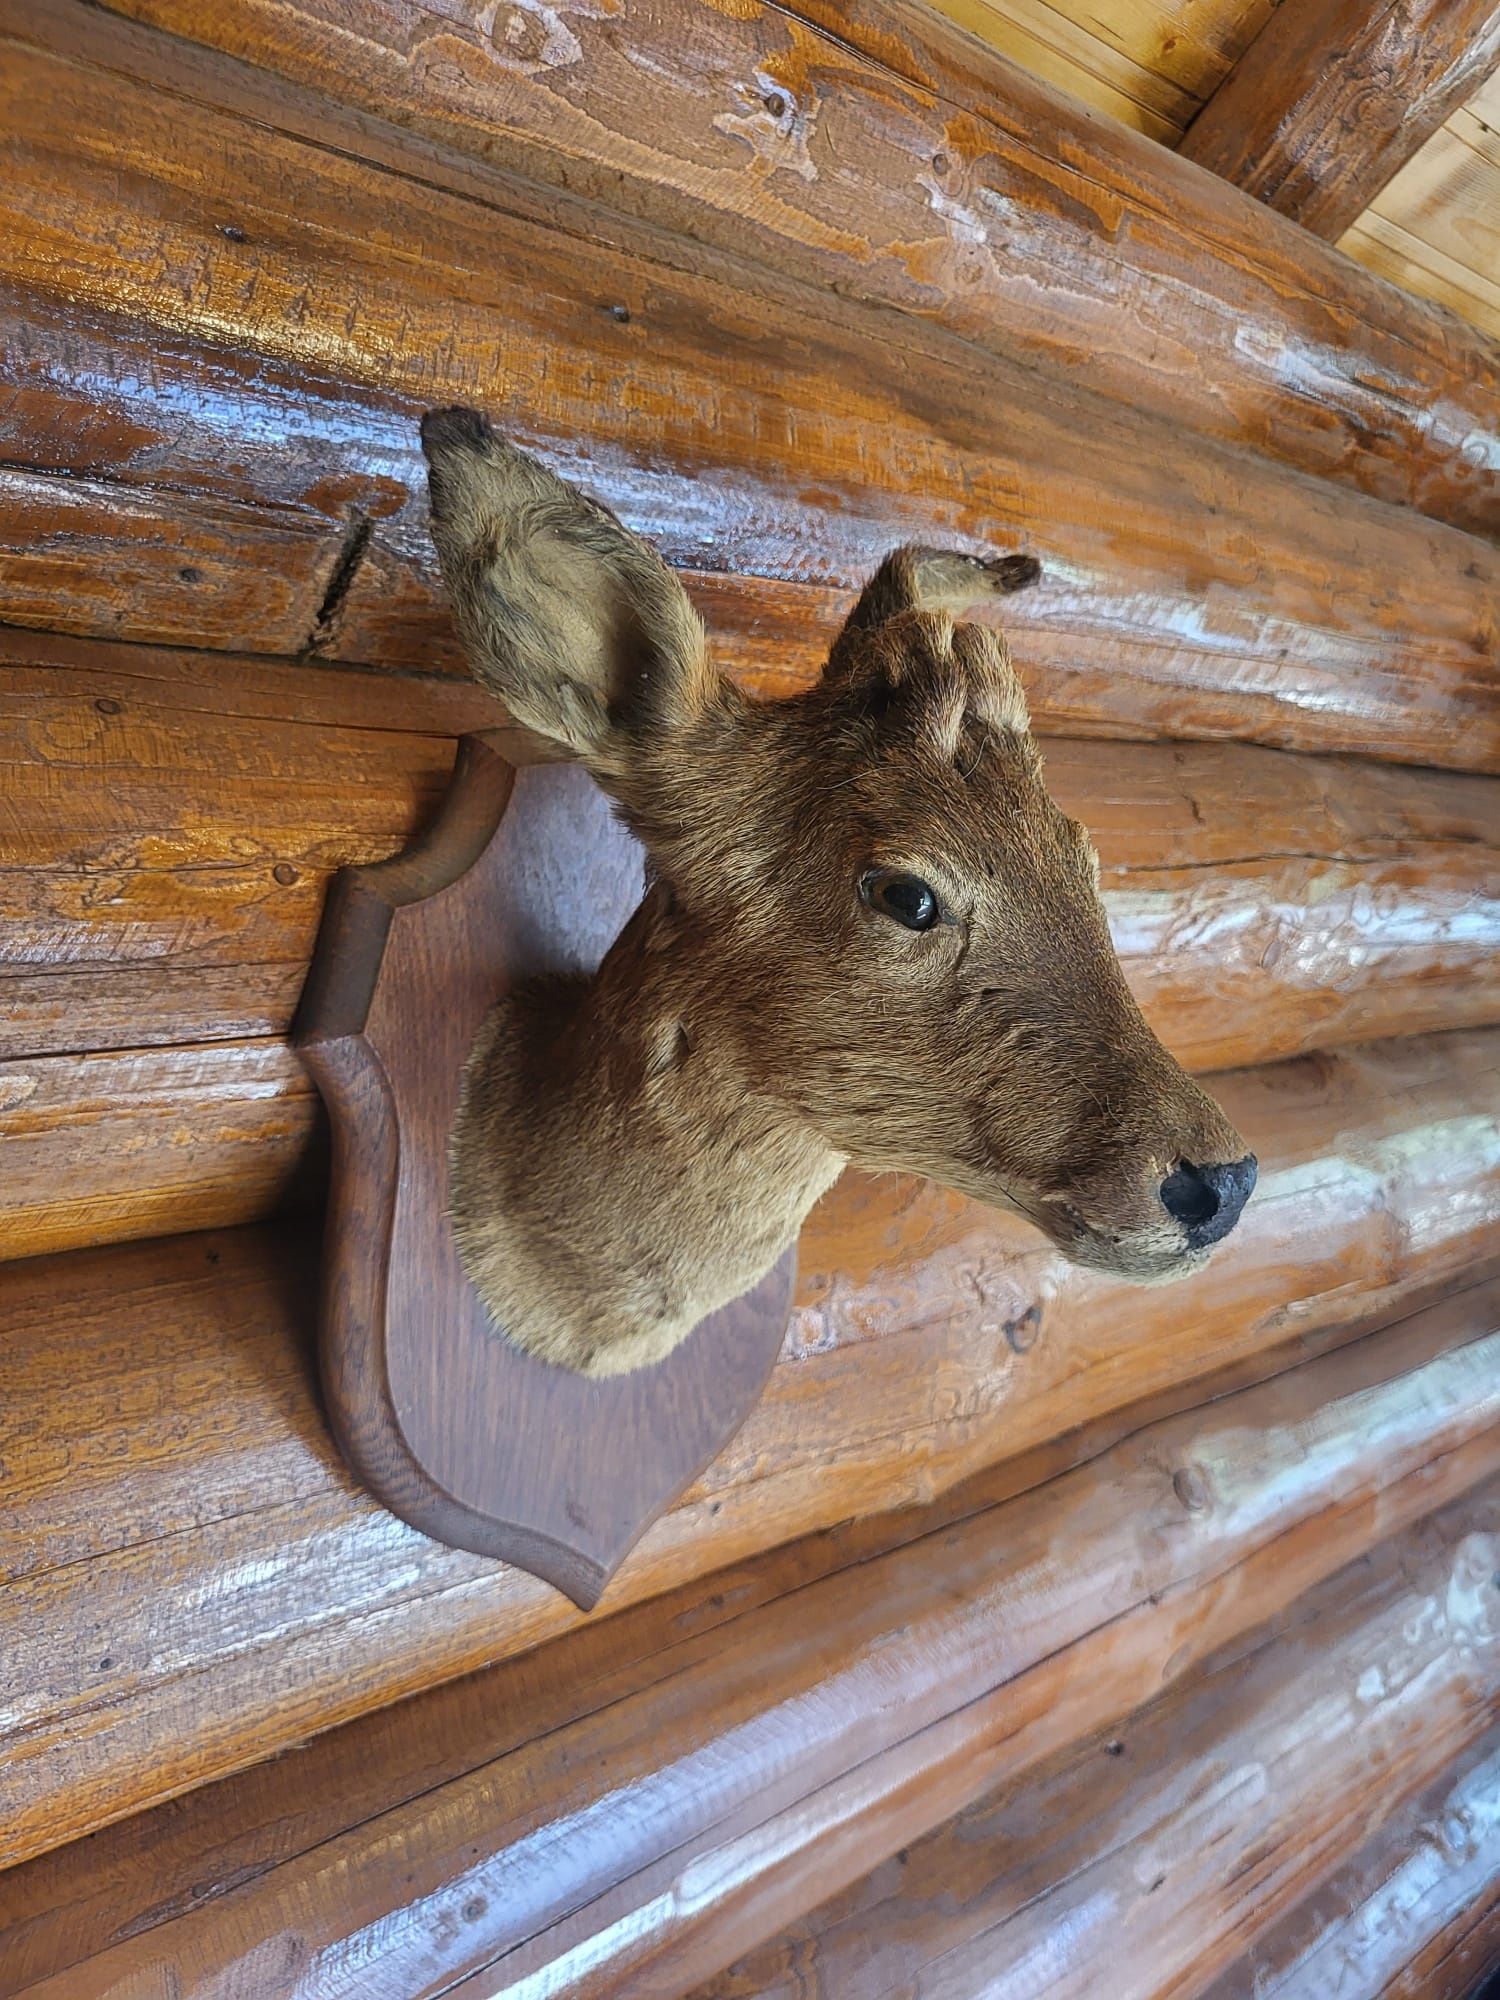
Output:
x,y
1189,590
608,1815
173,1454
524,874
170,824
151,1142
138,563
1436,228
778,335
1149,63
1414,1915
1330,101
878,150
1135,1863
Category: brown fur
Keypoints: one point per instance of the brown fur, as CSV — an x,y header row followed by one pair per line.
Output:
x,y
634,1151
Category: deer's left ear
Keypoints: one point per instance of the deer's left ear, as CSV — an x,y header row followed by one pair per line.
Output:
x,y
916,578
579,627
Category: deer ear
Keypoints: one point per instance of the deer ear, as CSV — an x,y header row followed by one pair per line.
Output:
x,y
579,627
917,578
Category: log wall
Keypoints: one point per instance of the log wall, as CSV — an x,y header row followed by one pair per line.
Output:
x,y
1107,1871
529,1832
784,285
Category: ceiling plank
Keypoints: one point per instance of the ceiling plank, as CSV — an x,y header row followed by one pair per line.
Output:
x,y
1331,100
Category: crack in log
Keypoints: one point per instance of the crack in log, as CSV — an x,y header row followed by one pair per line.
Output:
x,y
351,554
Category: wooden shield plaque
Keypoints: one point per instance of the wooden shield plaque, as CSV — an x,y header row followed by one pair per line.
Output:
x,y
449,1425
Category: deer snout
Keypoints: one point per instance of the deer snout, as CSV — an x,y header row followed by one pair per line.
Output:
x,y
1208,1200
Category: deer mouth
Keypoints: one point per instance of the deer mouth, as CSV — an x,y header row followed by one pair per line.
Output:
x,y
1158,1254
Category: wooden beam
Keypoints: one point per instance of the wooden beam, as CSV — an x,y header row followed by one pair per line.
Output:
x,y
172,1439
869,147
1136,1863
621,1808
1414,1915
1333,97
1191,590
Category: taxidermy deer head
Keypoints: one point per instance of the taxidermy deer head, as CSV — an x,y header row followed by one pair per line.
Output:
x,y
869,936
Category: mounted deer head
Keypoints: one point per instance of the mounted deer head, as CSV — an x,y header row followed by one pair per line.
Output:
x,y
870,936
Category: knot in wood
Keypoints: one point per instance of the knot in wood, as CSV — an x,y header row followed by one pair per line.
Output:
x,y
1022,1332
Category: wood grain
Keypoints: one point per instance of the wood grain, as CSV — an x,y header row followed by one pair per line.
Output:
x,y
170,1450
1329,102
1150,65
1434,228
1135,1862
150,1142
80,553
1191,589
168,858
170,820
1415,1915
755,1745
877,150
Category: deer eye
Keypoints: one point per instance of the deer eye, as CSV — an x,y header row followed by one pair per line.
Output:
x,y
906,899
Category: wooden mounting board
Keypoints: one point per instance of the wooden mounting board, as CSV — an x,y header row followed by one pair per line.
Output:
x,y
445,1421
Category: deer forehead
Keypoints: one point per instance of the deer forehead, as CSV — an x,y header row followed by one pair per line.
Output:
x,y
948,678
985,811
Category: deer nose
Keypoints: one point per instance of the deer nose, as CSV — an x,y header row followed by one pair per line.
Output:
x,y
1207,1200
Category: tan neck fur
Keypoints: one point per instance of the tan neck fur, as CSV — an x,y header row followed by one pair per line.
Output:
x,y
618,1173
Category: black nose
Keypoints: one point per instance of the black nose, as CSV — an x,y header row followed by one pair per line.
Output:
x,y
1207,1200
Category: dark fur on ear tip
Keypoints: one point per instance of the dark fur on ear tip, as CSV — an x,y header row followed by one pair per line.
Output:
x,y
1014,572
456,427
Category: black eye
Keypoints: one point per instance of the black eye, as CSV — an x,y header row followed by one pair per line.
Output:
x,y
906,899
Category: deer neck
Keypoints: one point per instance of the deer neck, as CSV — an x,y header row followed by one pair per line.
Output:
x,y
619,1170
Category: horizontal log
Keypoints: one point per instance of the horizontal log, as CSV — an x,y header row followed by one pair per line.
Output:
x,y
151,1142
170,819
170,851
171,1440
1137,1862
1415,1915
1265,904
1191,589
200,570
609,1816
1328,103
874,150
